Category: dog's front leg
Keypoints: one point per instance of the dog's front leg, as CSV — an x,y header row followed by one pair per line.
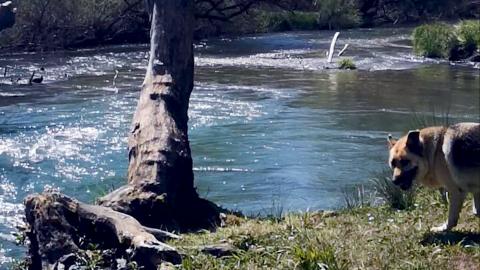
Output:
x,y
456,199
476,204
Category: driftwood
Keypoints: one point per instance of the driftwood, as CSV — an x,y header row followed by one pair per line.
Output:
x,y
343,50
59,225
332,47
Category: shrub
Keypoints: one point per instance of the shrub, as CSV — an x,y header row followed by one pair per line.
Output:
x,y
50,24
434,40
468,33
335,14
346,64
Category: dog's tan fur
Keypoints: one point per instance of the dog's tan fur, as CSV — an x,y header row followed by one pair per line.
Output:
x,y
440,157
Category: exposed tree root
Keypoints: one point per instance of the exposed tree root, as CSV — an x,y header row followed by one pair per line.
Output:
x,y
59,225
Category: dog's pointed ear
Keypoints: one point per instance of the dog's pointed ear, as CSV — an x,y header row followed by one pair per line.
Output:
x,y
391,141
414,144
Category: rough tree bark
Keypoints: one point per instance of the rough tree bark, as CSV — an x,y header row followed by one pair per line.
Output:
x,y
61,229
158,145
160,191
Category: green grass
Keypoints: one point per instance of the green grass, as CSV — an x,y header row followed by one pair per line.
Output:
x,y
434,40
346,64
359,238
469,34
390,194
317,255
440,40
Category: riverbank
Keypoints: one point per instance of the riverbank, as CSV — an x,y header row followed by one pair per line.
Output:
x,y
70,132
358,238
456,42
49,25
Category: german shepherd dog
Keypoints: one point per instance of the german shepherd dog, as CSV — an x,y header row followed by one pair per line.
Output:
x,y
440,157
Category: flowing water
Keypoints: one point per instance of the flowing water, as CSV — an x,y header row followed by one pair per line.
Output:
x,y
270,128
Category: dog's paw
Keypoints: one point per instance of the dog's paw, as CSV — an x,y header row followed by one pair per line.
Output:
x,y
442,228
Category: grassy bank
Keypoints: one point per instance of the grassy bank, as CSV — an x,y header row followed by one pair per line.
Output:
x,y
369,232
358,238
441,40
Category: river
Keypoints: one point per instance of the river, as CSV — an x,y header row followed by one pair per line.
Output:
x,y
270,128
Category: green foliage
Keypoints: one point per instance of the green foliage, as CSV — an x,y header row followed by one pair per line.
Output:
x,y
346,64
287,21
392,195
335,14
469,34
446,41
434,40
316,257
50,24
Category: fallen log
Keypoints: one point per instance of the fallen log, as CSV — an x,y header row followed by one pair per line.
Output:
x,y
60,226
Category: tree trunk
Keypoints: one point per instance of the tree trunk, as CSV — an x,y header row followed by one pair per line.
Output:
x,y
159,150
160,172
160,190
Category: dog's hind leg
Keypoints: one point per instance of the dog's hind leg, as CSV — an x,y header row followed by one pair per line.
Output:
x,y
476,204
456,199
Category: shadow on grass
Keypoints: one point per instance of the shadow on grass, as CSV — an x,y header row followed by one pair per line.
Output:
x,y
451,238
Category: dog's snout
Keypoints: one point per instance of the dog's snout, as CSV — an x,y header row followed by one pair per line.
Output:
x,y
396,174
404,179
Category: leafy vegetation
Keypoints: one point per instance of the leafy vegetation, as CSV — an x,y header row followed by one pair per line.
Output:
x,y
50,24
347,64
358,238
336,14
434,40
469,34
54,24
440,40
286,21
